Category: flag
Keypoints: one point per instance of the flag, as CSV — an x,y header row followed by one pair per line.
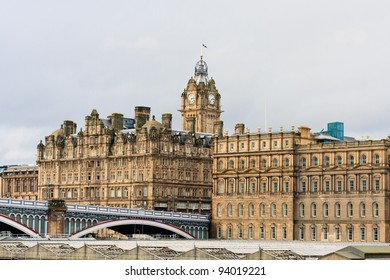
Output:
x,y
204,46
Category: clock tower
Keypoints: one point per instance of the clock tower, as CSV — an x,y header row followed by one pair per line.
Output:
x,y
201,103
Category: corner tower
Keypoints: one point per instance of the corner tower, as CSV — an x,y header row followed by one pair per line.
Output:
x,y
200,102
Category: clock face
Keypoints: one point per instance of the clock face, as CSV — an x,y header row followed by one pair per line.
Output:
x,y
191,98
212,99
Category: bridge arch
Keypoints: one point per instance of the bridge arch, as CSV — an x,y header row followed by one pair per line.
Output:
x,y
18,226
126,222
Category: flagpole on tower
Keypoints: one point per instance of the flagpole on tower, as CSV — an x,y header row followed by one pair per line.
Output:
x,y
201,50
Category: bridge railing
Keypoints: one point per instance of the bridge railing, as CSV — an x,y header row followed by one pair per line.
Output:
x,y
23,203
142,213
97,209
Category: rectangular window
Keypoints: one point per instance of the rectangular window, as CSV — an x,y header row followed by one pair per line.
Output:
x,y
231,188
375,234
229,233
362,233
339,186
240,232
261,232
350,234
286,187
263,187
250,233
301,233
337,233
284,233
325,233
273,232
351,185
264,144
376,185
253,188
315,186
364,185
242,188
253,145
303,186
219,233
275,144
327,186
275,187
313,233
286,143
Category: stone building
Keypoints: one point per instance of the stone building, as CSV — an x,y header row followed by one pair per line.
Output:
x,y
140,162
19,181
297,185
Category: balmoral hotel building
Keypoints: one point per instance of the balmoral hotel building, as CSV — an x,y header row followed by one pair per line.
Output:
x,y
296,185
140,162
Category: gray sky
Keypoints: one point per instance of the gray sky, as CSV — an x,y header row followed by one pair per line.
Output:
x,y
313,62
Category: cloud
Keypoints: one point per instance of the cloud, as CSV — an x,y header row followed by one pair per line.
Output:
x,y
18,144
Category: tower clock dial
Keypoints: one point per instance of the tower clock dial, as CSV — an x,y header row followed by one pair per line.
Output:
x,y
191,98
212,99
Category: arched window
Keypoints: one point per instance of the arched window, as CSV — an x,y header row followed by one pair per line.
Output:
x,y
327,161
350,233
240,210
375,209
229,210
251,210
219,210
337,209
339,160
231,164
221,187
253,163
286,162
285,209
350,209
262,210
239,232
362,209
273,209
325,210
376,159
313,232
219,232
250,232
301,233
351,160
314,210
302,210
315,161
303,162
275,162
242,164
264,163
220,165
261,232
364,159
229,232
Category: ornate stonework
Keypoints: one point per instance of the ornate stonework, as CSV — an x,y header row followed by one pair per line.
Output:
x,y
201,102
293,186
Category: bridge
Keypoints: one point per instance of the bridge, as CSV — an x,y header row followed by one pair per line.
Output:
x,y
39,219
